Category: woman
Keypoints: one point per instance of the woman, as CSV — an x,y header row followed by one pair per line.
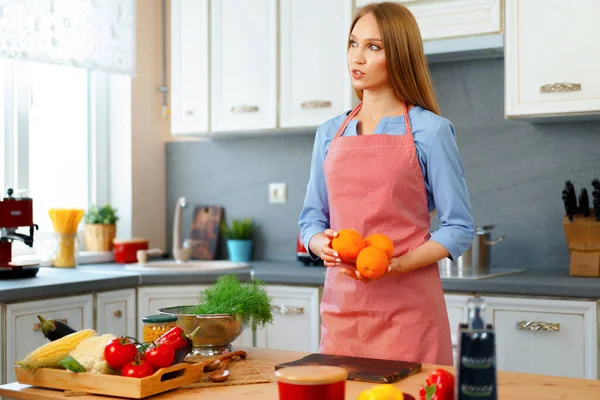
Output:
x,y
382,168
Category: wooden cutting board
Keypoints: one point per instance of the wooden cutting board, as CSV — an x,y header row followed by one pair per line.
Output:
x,y
361,369
205,232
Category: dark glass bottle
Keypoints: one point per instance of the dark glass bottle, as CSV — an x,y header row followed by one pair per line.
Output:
x,y
477,356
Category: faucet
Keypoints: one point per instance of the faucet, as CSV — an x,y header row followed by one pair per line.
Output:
x,y
183,253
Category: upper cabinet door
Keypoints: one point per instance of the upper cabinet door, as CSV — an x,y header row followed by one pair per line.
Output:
x,y
444,19
314,80
243,65
552,58
189,66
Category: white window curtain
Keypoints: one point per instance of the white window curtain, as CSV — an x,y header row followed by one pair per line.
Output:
x,y
98,35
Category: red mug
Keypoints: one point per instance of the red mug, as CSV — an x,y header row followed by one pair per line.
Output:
x,y
314,382
126,249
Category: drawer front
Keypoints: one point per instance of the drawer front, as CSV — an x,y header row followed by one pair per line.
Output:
x,y
116,313
541,343
296,320
23,333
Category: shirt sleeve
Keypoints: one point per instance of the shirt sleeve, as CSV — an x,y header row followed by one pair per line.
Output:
x,y
314,217
446,179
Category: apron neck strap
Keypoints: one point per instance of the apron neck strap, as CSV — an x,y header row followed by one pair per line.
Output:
x,y
354,112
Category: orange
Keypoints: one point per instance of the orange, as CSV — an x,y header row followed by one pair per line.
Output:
x,y
381,241
348,244
372,262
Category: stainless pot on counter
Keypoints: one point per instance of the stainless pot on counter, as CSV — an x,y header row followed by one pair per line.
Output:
x,y
478,258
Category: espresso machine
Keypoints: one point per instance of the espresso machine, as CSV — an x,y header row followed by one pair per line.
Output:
x,y
15,213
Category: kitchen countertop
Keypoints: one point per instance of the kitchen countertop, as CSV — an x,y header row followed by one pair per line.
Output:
x,y
97,277
511,385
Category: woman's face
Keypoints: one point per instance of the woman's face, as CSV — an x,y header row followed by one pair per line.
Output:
x,y
366,57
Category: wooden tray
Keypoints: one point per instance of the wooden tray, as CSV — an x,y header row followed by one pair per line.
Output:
x,y
162,380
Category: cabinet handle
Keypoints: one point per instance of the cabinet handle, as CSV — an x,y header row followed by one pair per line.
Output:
x,y
244,109
189,112
37,327
315,104
283,309
538,326
118,314
560,87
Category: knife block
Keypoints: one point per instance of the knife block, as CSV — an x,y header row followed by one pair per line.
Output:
x,y
583,241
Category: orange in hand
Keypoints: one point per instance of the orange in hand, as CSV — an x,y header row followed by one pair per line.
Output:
x,y
381,241
348,244
372,262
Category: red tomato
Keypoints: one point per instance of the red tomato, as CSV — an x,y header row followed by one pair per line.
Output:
x,y
160,356
137,369
119,352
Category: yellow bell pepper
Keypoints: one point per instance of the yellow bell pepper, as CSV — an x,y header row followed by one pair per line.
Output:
x,y
381,392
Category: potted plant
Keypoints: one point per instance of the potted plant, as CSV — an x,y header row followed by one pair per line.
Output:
x,y
100,228
239,239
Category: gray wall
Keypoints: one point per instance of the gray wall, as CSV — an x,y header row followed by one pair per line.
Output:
x,y
515,172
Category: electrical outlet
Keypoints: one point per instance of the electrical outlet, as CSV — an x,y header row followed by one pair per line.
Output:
x,y
277,193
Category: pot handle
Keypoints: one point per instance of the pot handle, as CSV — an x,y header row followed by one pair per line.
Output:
x,y
493,242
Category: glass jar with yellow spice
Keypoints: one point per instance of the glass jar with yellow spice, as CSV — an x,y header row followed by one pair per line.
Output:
x,y
156,325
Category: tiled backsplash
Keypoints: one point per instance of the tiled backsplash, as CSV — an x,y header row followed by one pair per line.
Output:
x,y
515,172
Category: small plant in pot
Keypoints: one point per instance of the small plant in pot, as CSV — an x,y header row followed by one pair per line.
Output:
x,y
239,239
100,228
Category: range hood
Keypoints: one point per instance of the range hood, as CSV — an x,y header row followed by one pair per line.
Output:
x,y
464,48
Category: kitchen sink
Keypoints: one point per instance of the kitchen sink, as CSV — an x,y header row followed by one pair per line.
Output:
x,y
187,266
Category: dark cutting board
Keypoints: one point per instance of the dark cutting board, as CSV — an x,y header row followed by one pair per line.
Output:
x,y
361,369
205,232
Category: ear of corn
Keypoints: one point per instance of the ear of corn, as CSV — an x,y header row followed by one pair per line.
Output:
x,y
51,353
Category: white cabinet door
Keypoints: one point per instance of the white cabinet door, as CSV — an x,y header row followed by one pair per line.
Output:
x,y
549,337
189,66
2,381
445,19
296,323
115,312
23,330
552,58
456,306
243,65
314,81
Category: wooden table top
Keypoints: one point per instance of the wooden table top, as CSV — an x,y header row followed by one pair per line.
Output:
x,y
511,385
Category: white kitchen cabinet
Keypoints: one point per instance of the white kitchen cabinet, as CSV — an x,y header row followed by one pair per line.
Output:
x,y
2,358
296,324
189,67
552,58
116,312
23,329
151,298
314,80
549,337
446,19
243,65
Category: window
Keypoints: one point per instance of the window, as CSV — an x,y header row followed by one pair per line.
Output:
x,y
51,141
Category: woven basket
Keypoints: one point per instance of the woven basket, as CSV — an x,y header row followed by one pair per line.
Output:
x,y
99,237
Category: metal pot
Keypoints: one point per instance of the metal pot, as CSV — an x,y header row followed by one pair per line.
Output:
x,y
478,258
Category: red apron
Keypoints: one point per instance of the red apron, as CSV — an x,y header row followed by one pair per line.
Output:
x,y
375,185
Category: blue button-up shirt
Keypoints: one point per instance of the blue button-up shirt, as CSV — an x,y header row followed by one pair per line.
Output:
x,y
442,169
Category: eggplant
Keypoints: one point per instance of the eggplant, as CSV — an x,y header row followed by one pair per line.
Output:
x,y
181,353
54,329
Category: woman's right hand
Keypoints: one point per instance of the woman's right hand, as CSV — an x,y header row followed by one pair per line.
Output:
x,y
321,244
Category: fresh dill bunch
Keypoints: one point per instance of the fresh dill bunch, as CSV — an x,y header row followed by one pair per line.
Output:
x,y
248,301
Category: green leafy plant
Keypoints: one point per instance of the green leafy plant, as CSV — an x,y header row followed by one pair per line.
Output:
x,y
248,301
240,229
101,215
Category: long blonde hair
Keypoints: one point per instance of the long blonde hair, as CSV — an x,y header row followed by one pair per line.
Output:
x,y
406,63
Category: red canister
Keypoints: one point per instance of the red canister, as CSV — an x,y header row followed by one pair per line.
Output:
x,y
314,382
126,249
